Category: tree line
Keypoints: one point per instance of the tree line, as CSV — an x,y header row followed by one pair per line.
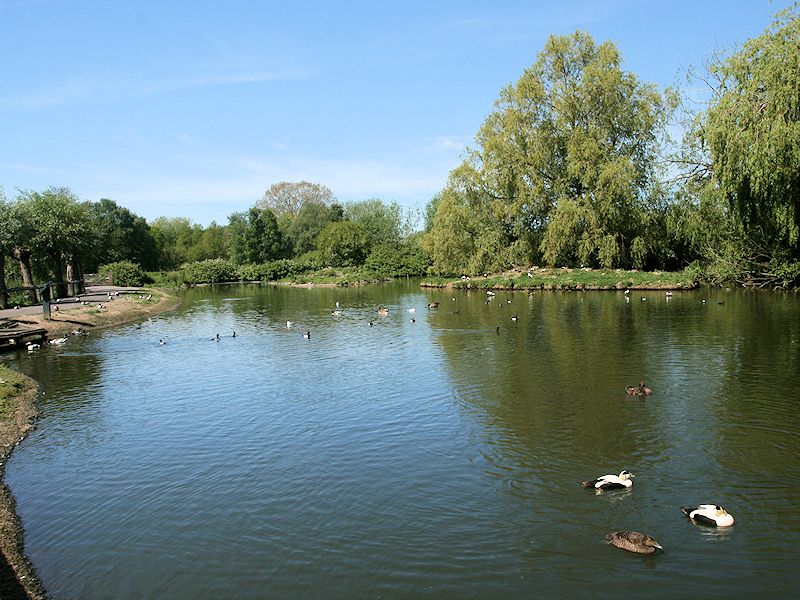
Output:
x,y
574,166
53,236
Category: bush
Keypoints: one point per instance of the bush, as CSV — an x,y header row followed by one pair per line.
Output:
x,y
124,273
403,261
212,270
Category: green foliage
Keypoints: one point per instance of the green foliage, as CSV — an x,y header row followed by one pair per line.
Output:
x,y
343,244
120,235
407,260
752,129
302,230
124,273
254,237
210,271
382,222
564,169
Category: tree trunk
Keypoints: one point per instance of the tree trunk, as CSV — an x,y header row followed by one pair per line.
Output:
x,y
74,278
3,293
23,256
58,269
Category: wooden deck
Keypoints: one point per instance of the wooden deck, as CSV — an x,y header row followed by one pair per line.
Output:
x,y
15,333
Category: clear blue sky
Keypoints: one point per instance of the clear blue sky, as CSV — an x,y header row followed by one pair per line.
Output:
x,y
195,108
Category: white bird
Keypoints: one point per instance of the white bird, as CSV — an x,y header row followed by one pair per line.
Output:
x,y
307,335
32,346
58,341
611,482
162,343
289,324
709,514
411,310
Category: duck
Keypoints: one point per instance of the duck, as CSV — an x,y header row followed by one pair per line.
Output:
x,y
289,324
59,341
307,335
33,346
412,310
633,541
611,482
638,390
514,317
412,320
336,313
383,311
710,515
162,343
432,305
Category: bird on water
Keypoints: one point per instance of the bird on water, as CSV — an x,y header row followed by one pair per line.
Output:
x,y
633,541
611,482
710,515
638,390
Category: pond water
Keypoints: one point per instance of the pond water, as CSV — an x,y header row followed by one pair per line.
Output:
x,y
428,459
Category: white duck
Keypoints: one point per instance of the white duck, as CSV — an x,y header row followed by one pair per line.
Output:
x,y
709,514
611,482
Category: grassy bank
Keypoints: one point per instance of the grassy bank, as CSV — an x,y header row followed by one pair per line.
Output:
x,y
127,308
17,415
570,279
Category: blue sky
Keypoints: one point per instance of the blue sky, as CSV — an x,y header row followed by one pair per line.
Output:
x,y
195,108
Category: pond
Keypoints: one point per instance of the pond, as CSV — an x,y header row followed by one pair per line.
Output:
x,y
433,458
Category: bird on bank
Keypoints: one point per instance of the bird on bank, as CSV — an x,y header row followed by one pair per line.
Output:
x,y
710,515
633,541
611,482
638,390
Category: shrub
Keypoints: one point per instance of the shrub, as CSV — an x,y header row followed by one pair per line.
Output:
x,y
124,273
212,270
403,261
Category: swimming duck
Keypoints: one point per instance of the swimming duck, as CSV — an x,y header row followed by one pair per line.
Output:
x,y
33,346
710,515
383,311
432,305
162,343
412,310
611,482
633,541
307,335
59,341
336,313
638,390
289,324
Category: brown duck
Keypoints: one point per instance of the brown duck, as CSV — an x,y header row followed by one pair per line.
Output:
x,y
633,541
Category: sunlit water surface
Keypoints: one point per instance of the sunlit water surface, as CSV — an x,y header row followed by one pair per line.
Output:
x,y
434,458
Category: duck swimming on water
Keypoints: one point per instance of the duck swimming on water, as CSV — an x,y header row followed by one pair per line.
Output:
x,y
633,541
710,515
611,482
638,390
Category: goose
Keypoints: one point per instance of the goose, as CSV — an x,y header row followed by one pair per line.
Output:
x,y
633,541
412,320
58,341
162,343
432,305
638,390
234,334
611,482
514,317
33,346
371,324
383,311
709,514
307,335
336,313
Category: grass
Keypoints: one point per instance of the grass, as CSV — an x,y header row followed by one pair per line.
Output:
x,y
11,384
537,278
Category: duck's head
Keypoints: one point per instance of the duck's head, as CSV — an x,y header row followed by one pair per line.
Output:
x,y
649,541
624,475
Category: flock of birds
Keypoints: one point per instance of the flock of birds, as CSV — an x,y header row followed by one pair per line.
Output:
x,y
709,515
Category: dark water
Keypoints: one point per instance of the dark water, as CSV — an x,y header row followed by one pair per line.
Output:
x,y
434,459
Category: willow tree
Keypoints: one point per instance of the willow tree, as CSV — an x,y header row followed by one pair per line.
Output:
x,y
752,129
567,157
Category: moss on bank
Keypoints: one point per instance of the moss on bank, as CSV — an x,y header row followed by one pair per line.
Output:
x,y
537,278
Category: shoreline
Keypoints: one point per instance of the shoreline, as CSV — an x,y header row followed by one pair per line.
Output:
x,y
18,414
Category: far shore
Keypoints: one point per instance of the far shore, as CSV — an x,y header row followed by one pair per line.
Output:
x,y
18,414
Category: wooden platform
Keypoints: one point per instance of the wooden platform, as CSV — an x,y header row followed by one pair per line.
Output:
x,y
15,334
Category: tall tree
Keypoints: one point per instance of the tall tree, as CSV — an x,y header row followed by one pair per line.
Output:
x,y
343,244
302,230
121,235
6,245
752,129
382,222
567,157
288,197
254,237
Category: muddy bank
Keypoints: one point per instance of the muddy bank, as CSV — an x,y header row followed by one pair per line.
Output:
x,y
17,418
